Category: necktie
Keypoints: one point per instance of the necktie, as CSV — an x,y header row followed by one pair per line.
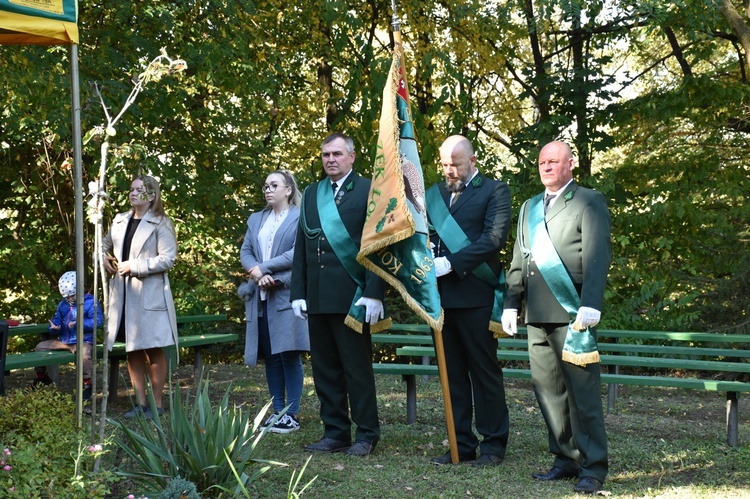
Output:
x,y
334,186
455,196
547,200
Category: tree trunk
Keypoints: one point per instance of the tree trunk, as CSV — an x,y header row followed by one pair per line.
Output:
x,y
738,24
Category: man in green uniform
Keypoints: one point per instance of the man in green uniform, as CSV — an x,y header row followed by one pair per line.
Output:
x,y
340,300
563,242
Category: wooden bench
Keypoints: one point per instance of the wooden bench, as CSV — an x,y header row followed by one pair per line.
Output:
x,y
56,357
625,353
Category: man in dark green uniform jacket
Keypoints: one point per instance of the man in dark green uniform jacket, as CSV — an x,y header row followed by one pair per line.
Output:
x,y
578,224
481,209
323,292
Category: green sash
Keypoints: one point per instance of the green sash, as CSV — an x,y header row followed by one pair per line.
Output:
x,y
580,346
455,239
346,251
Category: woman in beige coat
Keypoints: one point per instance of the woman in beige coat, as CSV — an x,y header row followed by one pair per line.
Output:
x,y
138,251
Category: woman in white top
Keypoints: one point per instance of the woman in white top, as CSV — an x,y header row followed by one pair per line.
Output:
x,y
273,331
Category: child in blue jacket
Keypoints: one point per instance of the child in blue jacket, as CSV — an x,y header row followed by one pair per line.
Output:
x,y
63,325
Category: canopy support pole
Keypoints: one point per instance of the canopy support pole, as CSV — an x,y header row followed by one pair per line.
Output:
x,y
79,216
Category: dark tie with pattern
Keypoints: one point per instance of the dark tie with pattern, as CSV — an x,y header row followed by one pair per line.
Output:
x,y
547,200
334,186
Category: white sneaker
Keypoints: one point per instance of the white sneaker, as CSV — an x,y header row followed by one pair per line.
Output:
x,y
271,420
287,424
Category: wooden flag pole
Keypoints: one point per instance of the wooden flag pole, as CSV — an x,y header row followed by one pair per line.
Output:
x,y
437,334
442,370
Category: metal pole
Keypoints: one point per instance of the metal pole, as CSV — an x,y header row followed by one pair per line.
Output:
x,y
79,215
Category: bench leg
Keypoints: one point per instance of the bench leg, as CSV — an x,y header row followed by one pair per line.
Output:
x,y
114,377
426,362
54,373
198,364
3,354
612,390
411,398
732,429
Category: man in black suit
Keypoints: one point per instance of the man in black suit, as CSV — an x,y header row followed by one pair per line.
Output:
x,y
480,208
330,289
577,222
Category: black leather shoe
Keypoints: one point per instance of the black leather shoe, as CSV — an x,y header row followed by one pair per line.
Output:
x,y
361,448
487,460
326,444
446,459
556,473
588,485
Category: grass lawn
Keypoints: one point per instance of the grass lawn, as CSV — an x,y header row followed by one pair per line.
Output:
x,y
664,443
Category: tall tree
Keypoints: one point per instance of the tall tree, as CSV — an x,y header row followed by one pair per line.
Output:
x,y
653,95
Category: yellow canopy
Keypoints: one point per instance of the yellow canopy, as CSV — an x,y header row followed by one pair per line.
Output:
x,y
38,22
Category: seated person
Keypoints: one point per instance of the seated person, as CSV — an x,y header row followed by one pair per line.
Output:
x,y
63,325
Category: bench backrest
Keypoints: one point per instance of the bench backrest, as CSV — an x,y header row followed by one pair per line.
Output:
x,y
604,334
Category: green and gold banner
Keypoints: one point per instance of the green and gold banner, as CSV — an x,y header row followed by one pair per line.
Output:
x,y
395,244
38,22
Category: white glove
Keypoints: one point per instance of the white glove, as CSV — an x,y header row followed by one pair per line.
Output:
x,y
586,317
373,309
509,320
300,309
432,250
442,266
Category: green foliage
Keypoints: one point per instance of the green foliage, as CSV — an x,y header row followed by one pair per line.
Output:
x,y
679,216
45,450
641,89
44,415
179,488
294,481
209,445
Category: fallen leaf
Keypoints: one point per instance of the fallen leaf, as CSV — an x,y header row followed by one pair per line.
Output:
x,y
339,467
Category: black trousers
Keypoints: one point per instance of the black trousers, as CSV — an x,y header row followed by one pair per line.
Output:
x,y
344,379
475,379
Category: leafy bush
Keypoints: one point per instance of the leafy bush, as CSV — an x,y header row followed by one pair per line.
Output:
x,y
179,488
42,416
43,454
202,444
